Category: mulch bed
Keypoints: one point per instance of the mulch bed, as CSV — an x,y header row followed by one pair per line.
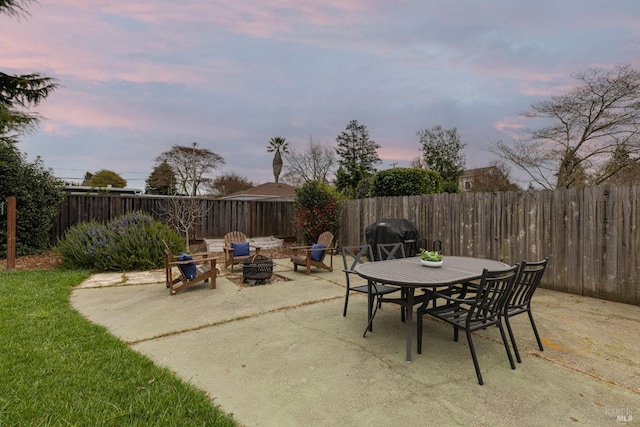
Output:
x,y
46,261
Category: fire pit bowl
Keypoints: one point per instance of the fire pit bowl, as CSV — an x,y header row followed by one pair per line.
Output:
x,y
256,267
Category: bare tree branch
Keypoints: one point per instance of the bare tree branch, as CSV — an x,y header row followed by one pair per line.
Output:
x,y
581,130
191,165
316,163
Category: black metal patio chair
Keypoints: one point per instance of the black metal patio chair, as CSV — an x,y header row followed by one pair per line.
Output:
x,y
387,251
526,283
390,251
482,310
352,256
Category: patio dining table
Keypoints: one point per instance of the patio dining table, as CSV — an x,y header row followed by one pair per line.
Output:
x,y
409,274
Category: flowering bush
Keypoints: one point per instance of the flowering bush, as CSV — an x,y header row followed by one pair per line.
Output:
x,y
130,242
317,209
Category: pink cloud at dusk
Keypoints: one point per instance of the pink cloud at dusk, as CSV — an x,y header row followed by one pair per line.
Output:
x,y
142,75
404,153
510,126
77,110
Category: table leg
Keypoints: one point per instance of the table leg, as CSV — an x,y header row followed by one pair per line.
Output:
x,y
410,295
369,304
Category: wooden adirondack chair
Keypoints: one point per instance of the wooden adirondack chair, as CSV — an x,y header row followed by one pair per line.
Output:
x,y
230,239
200,268
314,255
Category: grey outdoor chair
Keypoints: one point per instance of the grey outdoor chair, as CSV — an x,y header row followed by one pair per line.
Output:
x,y
352,256
483,308
390,251
527,281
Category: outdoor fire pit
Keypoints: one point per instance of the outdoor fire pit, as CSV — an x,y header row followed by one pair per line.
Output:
x,y
257,268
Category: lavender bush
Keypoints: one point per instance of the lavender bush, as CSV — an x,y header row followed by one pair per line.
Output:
x,y
130,242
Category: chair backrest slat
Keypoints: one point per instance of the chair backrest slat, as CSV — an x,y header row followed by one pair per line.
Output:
x,y
234,237
388,251
527,281
493,292
326,239
354,255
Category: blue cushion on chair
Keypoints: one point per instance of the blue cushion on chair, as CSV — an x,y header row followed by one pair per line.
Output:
x,y
240,249
316,255
189,270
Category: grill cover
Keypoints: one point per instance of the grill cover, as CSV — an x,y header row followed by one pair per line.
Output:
x,y
392,231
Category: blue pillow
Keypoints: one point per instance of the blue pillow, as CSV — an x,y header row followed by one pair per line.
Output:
x,y
316,255
189,270
240,249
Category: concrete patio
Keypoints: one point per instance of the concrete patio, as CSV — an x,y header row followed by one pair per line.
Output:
x,y
282,354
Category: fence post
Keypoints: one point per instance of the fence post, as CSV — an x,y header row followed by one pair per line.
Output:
x,y
11,232
251,207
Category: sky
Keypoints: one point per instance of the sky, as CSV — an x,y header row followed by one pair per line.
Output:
x,y
140,76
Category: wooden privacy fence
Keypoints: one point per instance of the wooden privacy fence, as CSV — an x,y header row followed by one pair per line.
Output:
x,y
254,218
590,235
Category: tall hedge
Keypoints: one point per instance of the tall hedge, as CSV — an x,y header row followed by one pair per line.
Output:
x,y
38,196
405,182
317,209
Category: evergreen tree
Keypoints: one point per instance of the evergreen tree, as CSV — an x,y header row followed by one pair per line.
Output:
x,y
161,181
621,168
105,178
441,152
358,157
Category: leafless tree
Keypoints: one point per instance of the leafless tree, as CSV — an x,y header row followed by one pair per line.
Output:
x,y
581,130
183,213
229,183
494,178
316,163
191,165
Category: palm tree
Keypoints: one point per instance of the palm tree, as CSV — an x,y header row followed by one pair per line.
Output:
x,y
277,144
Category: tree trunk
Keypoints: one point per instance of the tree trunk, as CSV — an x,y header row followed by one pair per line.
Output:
x,y
277,165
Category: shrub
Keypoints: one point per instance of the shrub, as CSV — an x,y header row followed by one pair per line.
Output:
x,y
364,188
38,196
130,242
451,187
317,209
405,182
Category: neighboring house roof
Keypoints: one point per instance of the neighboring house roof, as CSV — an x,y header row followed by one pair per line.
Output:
x,y
472,173
83,189
266,191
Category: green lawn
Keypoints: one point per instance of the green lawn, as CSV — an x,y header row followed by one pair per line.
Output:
x,y
57,368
